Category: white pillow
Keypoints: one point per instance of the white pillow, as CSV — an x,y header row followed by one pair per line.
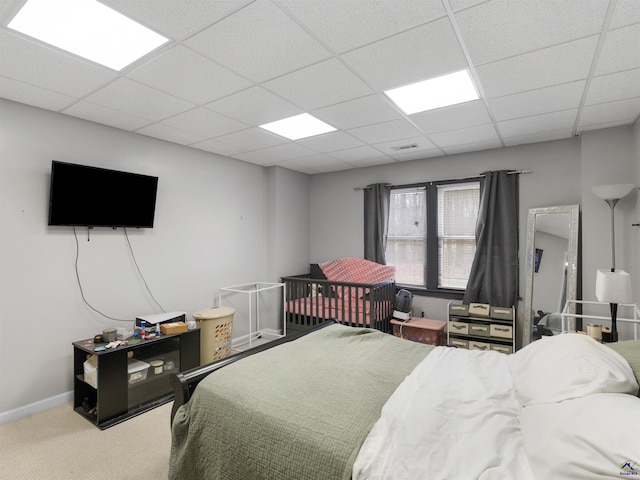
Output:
x,y
594,437
567,366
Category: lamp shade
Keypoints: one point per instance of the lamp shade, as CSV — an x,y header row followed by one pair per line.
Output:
x,y
613,287
613,192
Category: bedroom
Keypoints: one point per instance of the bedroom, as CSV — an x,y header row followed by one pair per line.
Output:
x,y
221,221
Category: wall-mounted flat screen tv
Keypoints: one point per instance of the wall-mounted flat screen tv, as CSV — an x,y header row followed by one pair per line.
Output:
x,y
97,197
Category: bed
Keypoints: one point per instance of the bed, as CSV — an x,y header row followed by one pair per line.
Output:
x,y
352,291
373,406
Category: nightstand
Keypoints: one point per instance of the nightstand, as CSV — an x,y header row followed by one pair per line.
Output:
x,y
423,330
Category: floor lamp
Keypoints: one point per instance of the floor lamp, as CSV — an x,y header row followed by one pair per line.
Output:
x,y
613,286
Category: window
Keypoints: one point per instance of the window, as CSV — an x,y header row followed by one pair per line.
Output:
x,y
431,236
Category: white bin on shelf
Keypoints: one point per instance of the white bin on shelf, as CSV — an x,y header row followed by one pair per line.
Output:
x,y
216,330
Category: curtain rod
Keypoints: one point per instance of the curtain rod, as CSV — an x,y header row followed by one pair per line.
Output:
x,y
512,172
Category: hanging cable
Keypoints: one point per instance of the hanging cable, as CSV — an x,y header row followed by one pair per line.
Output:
x,y
80,284
139,272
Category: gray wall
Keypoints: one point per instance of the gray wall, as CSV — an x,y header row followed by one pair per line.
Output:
x,y
222,222
212,229
563,173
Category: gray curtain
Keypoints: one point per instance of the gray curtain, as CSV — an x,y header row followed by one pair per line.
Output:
x,y
494,272
376,221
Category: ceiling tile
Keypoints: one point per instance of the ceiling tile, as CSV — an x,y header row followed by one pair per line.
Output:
x,y
214,146
613,87
423,52
462,4
330,142
132,97
287,151
26,61
504,28
415,144
345,25
359,112
254,106
302,88
252,139
371,162
451,118
188,75
420,155
171,134
547,136
316,163
106,116
535,102
33,95
623,110
618,44
538,123
472,147
177,20
204,122
257,157
626,13
599,126
259,42
385,132
551,66
355,154
465,136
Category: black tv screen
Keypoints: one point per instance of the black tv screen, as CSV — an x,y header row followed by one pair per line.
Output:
x,y
97,197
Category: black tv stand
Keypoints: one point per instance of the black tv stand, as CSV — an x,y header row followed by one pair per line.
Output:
x,y
116,399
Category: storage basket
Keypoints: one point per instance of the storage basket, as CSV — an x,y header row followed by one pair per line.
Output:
x,y
216,330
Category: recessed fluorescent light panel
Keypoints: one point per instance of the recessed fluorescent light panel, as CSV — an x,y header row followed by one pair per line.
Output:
x,y
298,126
434,93
87,28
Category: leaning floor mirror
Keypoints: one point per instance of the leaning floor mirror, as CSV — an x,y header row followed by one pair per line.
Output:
x,y
551,270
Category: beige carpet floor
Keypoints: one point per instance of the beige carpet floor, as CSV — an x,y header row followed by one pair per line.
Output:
x,y
59,444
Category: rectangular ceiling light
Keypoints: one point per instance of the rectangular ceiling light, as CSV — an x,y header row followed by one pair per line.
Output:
x,y
436,92
87,28
298,126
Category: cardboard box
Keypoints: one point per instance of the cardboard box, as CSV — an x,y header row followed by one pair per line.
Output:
x,y
173,327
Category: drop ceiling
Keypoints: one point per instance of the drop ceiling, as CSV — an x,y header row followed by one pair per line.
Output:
x,y
545,70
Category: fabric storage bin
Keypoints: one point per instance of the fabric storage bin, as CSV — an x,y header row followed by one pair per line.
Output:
x,y
501,331
461,328
480,329
482,310
479,345
500,313
501,348
455,342
137,370
459,310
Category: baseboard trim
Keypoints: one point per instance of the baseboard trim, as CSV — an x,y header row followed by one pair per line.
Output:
x,y
36,407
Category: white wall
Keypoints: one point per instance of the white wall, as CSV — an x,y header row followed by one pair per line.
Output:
x,y
211,230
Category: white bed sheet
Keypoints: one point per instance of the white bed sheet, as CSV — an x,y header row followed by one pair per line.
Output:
x,y
564,407
454,417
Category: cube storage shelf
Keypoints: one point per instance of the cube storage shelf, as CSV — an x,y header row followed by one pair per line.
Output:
x,y
497,332
117,395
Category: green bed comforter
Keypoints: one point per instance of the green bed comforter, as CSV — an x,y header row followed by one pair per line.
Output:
x,y
299,411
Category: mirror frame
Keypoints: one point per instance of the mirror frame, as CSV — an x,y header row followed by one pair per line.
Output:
x,y
572,259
